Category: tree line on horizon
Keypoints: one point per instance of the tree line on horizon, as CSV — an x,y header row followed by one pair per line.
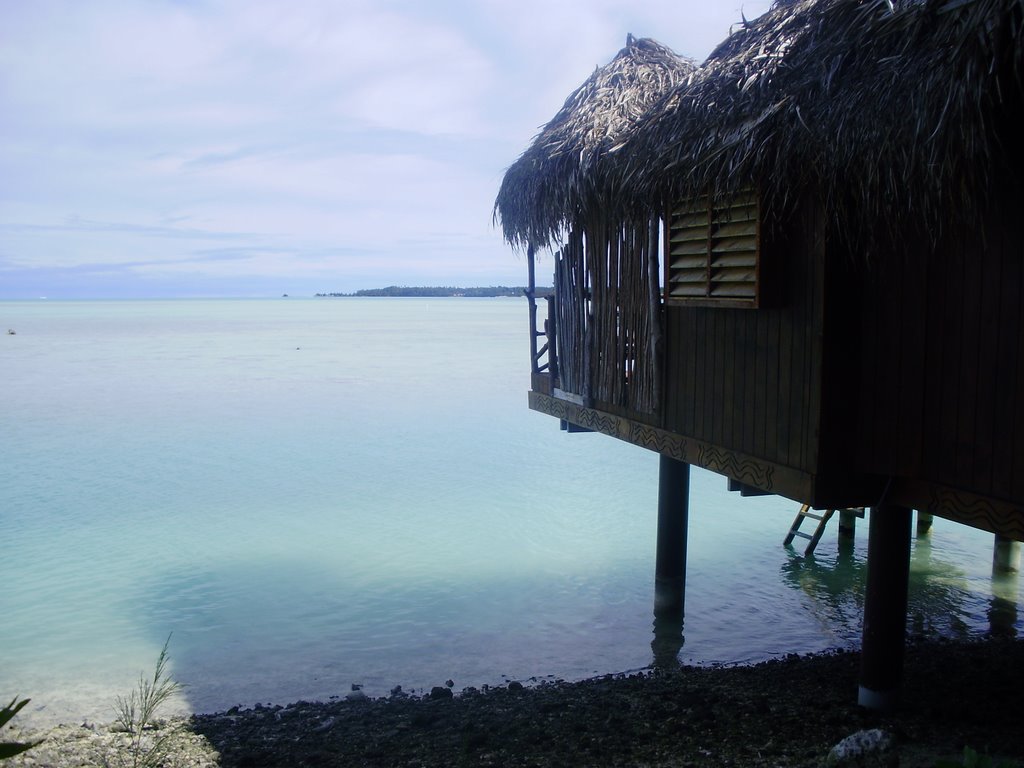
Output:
x,y
439,291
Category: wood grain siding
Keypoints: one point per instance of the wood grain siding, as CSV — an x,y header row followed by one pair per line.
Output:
x,y
1008,383
749,381
894,322
941,373
1010,470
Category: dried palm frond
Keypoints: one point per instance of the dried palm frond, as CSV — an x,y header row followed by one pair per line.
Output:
x,y
560,172
887,109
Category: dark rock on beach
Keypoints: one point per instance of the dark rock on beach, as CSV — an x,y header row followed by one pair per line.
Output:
x,y
790,712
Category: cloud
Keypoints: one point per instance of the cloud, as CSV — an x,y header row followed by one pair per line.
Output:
x,y
367,138
78,225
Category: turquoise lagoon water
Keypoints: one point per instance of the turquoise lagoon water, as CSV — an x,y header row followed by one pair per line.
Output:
x,y
313,493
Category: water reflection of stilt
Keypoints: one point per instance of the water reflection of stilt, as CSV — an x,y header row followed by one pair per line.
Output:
x,y
1002,612
668,639
936,601
938,591
836,590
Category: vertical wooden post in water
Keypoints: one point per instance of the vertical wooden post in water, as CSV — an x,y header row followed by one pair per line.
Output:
x,y
673,512
885,607
847,523
551,332
924,523
530,286
1005,555
670,563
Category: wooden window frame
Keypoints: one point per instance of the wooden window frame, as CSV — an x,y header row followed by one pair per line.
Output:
x,y
711,259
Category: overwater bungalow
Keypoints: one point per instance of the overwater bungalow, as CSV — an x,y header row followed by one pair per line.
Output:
x,y
798,265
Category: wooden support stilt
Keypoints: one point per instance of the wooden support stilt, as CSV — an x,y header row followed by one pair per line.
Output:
x,y
552,337
848,523
532,303
1005,555
673,512
885,607
924,523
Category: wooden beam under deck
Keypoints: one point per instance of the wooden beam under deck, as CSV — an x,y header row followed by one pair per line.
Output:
x,y
765,476
993,515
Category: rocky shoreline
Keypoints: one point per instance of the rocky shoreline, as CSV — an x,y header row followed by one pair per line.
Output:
x,y
789,712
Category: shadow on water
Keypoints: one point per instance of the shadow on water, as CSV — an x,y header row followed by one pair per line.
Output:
x,y
223,626
291,630
280,631
283,631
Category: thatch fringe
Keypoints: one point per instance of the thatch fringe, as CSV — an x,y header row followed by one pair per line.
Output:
x,y
890,111
543,190
606,309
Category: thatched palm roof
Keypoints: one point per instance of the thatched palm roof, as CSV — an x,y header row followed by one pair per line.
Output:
x,y
886,108
558,174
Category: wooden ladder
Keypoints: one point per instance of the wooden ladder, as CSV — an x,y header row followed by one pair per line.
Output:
x,y
813,538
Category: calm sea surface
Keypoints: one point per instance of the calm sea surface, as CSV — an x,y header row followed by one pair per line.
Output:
x,y
311,494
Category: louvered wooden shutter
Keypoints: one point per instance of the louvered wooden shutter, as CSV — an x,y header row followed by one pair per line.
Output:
x,y
713,251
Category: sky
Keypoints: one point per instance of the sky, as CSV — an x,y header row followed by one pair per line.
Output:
x,y
188,148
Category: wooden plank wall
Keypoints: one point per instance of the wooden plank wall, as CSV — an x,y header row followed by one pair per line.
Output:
x,y
942,372
748,380
909,365
891,371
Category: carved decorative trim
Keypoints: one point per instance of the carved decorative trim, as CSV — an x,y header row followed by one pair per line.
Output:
x,y
549,405
658,440
977,511
727,463
577,414
597,421
994,515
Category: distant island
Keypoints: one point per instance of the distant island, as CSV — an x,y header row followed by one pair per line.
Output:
x,y
494,291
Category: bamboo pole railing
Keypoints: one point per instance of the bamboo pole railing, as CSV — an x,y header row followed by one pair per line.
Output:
x,y
607,314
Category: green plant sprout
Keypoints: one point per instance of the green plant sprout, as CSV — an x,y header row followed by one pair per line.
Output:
x,y
136,713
